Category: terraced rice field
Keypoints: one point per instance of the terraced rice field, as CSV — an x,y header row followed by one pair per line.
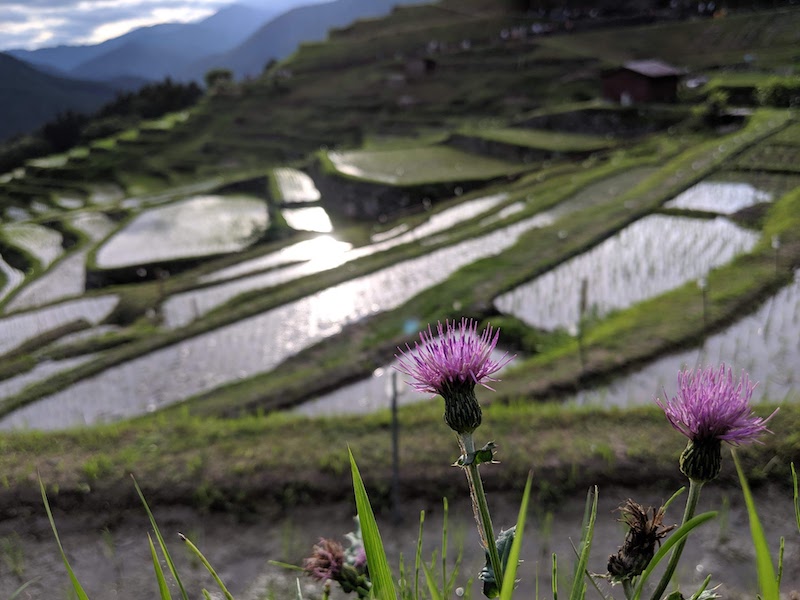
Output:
x,y
201,226
14,277
418,166
42,243
292,185
308,218
647,258
313,256
543,140
765,344
21,327
719,197
68,277
239,350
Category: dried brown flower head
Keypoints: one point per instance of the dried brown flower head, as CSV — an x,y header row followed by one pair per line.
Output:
x,y
645,529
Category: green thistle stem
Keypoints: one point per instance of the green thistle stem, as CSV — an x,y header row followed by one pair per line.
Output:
x,y
627,587
691,505
481,508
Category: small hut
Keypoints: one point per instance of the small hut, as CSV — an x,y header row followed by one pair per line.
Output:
x,y
640,81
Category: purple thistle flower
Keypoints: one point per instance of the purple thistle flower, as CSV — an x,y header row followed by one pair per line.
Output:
x,y
451,365
710,408
710,404
326,560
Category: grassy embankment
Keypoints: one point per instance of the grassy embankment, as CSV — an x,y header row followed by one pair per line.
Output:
x,y
242,464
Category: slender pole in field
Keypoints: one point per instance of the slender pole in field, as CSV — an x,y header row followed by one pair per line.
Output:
x,y
581,321
776,245
702,283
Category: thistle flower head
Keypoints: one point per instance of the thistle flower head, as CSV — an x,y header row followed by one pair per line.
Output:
x,y
451,365
326,560
710,408
645,529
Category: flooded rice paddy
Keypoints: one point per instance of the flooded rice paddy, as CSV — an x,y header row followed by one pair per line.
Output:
x,y
67,278
241,350
719,197
766,344
14,277
181,230
21,327
308,218
306,258
295,186
43,243
649,257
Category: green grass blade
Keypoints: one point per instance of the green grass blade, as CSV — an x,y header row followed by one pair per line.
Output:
x,y
781,550
379,572
702,589
796,497
673,498
445,587
434,591
510,574
555,576
207,595
75,583
207,565
22,588
674,539
299,595
767,581
162,583
418,555
579,582
162,544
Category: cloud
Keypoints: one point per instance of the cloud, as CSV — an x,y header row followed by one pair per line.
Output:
x,y
37,23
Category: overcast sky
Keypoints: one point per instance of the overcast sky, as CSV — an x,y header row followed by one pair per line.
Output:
x,y
34,24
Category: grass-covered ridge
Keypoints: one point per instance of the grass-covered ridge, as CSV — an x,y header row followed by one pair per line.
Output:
x,y
243,463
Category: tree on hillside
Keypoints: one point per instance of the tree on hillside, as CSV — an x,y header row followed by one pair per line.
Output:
x,y
218,78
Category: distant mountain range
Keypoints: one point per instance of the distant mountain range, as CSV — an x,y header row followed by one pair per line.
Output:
x,y
281,36
152,53
237,37
29,97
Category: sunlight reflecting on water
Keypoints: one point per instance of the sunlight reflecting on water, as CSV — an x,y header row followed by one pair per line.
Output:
x,y
647,258
309,218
